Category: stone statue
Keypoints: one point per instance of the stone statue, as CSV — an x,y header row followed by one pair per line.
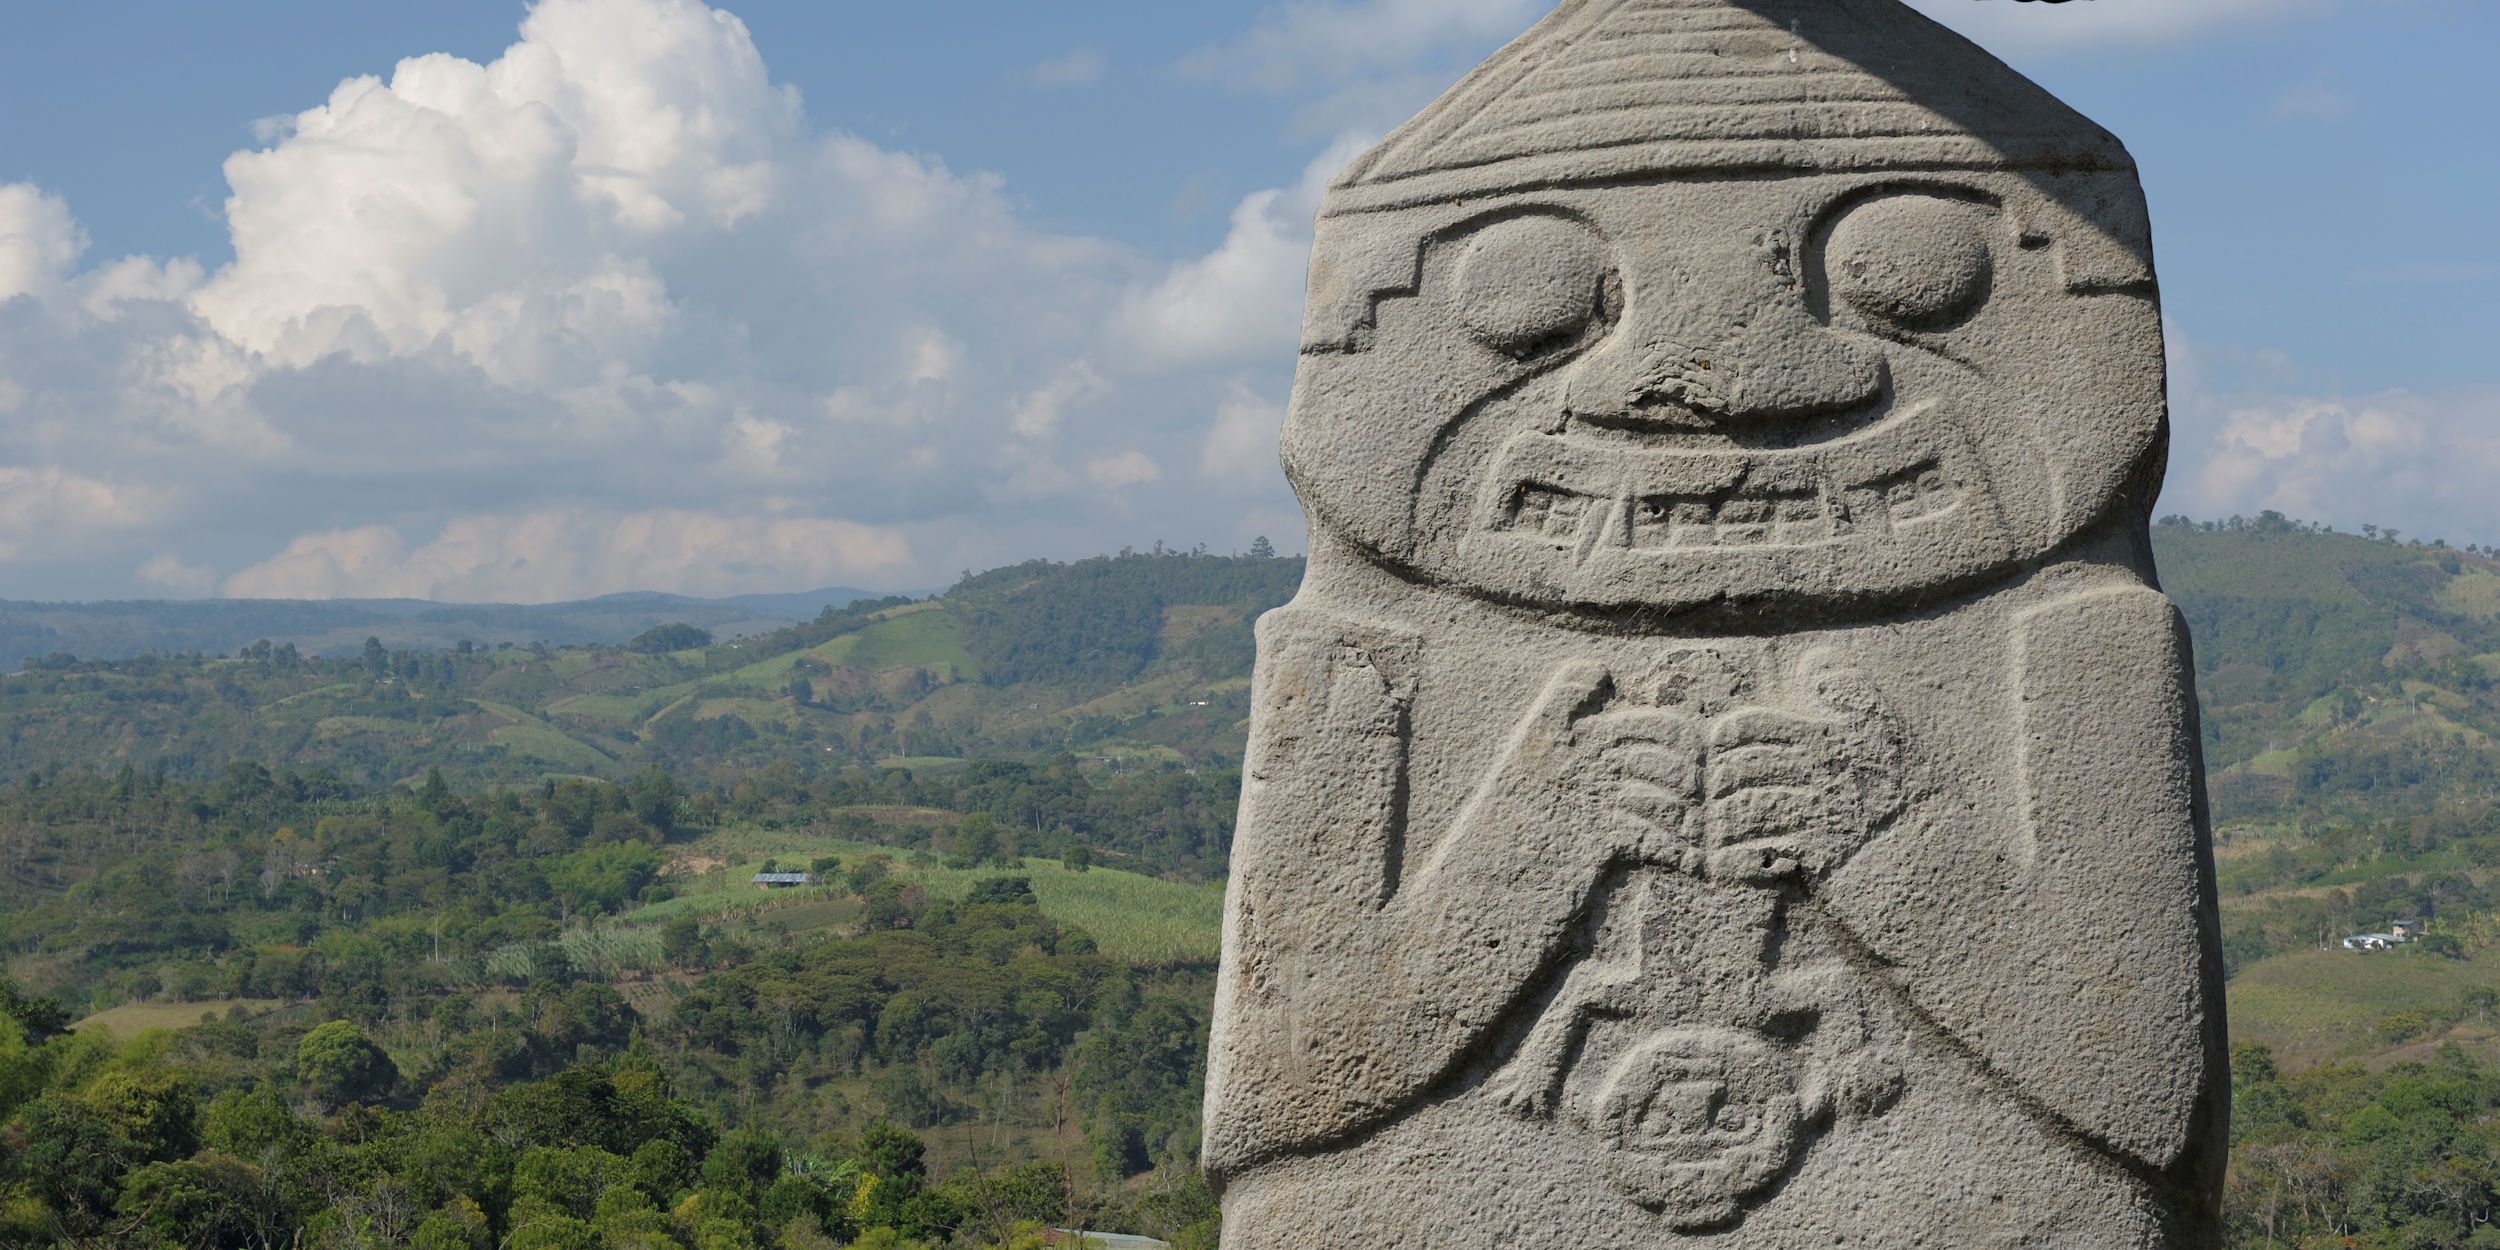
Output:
x,y
1729,777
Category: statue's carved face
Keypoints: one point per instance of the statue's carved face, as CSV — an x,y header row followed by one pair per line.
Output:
x,y
1748,393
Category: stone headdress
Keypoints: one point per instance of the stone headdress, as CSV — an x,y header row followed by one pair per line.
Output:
x,y
1619,89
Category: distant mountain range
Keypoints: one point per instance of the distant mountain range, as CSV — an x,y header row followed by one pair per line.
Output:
x,y
2350,692
2339,677
121,630
1142,658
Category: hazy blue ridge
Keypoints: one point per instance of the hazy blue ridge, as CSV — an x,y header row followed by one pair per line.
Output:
x,y
123,629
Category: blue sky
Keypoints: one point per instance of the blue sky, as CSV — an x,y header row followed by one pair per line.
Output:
x,y
776,293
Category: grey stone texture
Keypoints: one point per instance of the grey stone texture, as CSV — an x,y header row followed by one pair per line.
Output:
x,y
1730,776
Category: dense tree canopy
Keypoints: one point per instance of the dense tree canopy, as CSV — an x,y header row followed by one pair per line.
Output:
x,y
443,949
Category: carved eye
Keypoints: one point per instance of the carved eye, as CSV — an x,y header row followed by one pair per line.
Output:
x,y
1920,261
1526,286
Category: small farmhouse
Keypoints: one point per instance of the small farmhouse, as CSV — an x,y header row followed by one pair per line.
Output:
x,y
2398,933
783,880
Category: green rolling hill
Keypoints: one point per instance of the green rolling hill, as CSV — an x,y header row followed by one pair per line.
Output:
x,y
2348,688
1137,658
120,630
500,859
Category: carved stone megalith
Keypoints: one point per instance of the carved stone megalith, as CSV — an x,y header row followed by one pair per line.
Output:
x,y
1730,777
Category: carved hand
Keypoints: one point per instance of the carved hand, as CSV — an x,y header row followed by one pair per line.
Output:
x,y
1645,765
1794,791
1593,780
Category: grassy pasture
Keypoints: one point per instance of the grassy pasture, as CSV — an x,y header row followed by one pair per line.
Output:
x,y
2474,593
921,763
614,709
331,728
547,744
923,639
1133,917
131,1019
1130,916
2314,1006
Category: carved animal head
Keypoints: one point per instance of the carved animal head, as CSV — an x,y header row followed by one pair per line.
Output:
x,y
1733,304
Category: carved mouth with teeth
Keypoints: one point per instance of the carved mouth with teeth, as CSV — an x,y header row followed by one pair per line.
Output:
x,y
1745,515
1637,520
1588,493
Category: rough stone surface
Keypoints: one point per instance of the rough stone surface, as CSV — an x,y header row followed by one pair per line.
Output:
x,y
1730,777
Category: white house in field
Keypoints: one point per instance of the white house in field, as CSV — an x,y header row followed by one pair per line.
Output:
x,y
2398,933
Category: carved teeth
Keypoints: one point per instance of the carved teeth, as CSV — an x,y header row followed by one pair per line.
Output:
x,y
1749,515
1740,520
1552,512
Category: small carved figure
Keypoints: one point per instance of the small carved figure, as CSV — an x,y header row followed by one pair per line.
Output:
x,y
1729,776
1762,803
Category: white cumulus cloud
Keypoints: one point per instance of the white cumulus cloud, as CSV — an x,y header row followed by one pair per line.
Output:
x,y
503,195
2420,461
49,508
609,310
1129,468
1240,446
1039,414
555,322
1241,302
38,240
560,554
166,572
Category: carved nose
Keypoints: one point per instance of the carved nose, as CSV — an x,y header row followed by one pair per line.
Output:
x,y
1782,367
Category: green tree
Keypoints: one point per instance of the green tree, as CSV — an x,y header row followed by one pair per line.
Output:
x,y
537,1227
153,1109
661,1170
459,1225
677,636
41,1018
2481,1000
626,1217
1001,891
71,1160
251,1124
604,878
435,794
745,1163
568,1179
976,840
339,1064
617,1109
655,796
889,1150
681,940
203,1203
24,1069
886,1238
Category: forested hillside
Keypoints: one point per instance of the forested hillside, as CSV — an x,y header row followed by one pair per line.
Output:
x,y
119,631
1143,657
427,1019
458,947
